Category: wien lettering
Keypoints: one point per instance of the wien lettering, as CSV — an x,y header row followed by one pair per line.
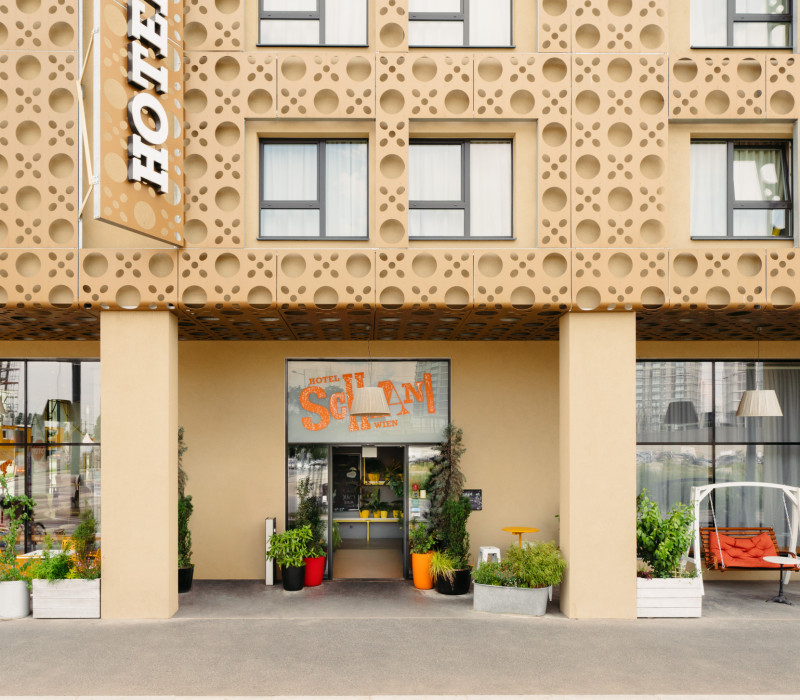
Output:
x,y
337,405
146,162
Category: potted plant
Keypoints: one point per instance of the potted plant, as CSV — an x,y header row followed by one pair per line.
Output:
x,y
288,549
420,541
14,594
185,510
522,582
309,513
66,584
664,587
454,541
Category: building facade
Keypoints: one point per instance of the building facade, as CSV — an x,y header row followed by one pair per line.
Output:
x,y
560,216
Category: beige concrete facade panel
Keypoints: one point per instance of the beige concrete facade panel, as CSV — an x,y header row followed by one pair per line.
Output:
x,y
228,279
554,23
215,25
619,25
718,86
720,280
39,154
391,25
391,197
783,79
128,279
32,25
783,280
40,279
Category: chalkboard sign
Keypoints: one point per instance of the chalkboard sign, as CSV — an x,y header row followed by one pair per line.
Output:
x,y
475,498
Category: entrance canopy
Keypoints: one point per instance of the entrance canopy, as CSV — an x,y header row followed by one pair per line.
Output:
x,y
790,493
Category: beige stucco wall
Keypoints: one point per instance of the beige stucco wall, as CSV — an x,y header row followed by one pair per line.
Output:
x,y
232,406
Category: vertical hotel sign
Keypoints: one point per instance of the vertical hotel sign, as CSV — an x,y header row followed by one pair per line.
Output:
x,y
138,116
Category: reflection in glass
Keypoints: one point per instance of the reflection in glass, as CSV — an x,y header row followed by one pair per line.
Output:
x,y
308,462
12,465
431,33
289,32
668,472
420,463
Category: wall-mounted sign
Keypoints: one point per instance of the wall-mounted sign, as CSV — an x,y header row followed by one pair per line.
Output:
x,y
320,392
475,498
138,117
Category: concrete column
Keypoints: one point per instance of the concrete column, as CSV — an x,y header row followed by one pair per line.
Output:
x,y
597,368
139,404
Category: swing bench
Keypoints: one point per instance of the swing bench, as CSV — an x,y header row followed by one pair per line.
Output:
x,y
742,548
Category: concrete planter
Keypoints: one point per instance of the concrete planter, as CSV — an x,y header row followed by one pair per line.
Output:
x,y
505,599
67,598
669,597
15,600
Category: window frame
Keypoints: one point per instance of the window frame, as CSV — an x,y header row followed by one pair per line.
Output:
x,y
732,204
461,16
306,204
734,18
318,14
464,202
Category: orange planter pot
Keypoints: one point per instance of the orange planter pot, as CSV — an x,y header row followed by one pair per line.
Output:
x,y
420,567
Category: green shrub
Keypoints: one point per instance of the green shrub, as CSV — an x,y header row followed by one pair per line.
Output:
x,y
420,541
308,513
661,542
185,510
51,567
453,535
442,566
536,565
290,547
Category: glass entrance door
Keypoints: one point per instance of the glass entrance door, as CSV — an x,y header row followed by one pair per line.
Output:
x,y
308,493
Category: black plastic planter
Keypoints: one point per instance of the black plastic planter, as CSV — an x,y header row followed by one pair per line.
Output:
x,y
185,577
459,586
293,577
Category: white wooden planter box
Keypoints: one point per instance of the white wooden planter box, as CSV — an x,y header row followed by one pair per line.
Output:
x,y
66,598
506,599
669,597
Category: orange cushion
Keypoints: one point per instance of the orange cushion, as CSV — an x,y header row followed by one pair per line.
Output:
x,y
743,552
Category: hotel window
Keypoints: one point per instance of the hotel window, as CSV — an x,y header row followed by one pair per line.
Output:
x,y
741,189
741,23
459,23
460,189
312,23
313,189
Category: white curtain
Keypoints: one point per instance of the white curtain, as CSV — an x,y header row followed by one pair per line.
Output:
x,y
280,223
290,171
429,33
490,189
289,5
346,189
345,22
708,180
434,172
708,22
434,6
758,174
282,32
436,223
490,22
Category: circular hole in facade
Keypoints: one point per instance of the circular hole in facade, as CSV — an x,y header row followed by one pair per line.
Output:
x,y
554,8
28,133
227,134
392,101
358,265
587,231
490,69
717,102
28,198
620,8
61,165
652,167
587,36
620,265
684,70
490,265
293,68
161,265
652,231
259,298
194,297
522,298
456,101
293,265
194,35
522,102
587,102
651,36
718,298
554,199
555,265
61,34
326,101
554,134
259,101
195,165
29,6
28,265
554,69
653,298
749,264
684,265
620,199
391,298
781,102
620,70
620,134
359,69
61,297
227,68
423,265
326,298
392,166
227,199
424,69
749,70
195,231
227,7
392,231
456,298
28,67
61,100
61,231
652,102
587,299
3,166
782,298
194,101
587,167
392,35
227,265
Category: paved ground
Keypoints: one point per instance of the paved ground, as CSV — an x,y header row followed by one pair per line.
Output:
x,y
386,638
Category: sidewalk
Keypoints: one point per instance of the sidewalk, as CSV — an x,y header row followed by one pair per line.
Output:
x,y
386,638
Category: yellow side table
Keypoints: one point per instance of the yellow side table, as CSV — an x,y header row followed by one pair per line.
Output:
x,y
518,530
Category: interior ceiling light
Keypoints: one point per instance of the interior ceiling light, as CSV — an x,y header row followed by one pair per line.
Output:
x,y
759,402
369,401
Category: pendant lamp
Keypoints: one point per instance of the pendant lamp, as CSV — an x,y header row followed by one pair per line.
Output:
x,y
759,402
369,401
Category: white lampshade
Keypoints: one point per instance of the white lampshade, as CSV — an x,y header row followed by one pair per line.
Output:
x,y
759,402
369,401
